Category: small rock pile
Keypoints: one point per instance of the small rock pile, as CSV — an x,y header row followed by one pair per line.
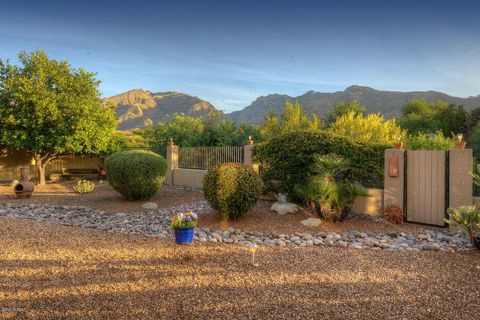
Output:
x,y
157,223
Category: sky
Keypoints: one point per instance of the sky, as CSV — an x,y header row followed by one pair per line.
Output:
x,y
230,52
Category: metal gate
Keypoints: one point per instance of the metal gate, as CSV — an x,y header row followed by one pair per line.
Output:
x,y
426,186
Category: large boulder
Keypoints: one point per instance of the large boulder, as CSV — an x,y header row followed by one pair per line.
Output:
x,y
284,208
311,222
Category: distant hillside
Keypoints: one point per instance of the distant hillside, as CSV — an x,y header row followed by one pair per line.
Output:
x,y
389,103
139,108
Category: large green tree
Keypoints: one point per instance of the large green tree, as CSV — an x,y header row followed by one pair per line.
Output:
x,y
372,128
293,118
420,116
52,109
342,108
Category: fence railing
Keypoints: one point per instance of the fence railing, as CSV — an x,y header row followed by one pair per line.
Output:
x,y
370,180
207,157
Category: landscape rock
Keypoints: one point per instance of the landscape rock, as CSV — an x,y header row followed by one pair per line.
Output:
x,y
150,206
312,222
158,223
284,208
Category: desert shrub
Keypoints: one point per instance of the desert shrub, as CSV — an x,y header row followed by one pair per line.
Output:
x,y
232,189
287,157
371,128
422,141
84,186
136,174
329,188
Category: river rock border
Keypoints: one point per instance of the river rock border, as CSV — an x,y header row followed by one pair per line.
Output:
x,y
157,223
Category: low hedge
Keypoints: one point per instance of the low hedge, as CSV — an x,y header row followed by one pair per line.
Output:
x,y
136,174
232,189
288,157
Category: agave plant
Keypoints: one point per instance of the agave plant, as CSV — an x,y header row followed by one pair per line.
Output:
x,y
330,188
467,218
476,176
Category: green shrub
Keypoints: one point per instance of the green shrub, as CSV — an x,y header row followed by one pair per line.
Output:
x,y
287,157
136,174
330,189
467,218
232,189
422,141
84,186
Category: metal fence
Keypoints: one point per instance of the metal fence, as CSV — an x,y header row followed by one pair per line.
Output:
x,y
370,180
207,157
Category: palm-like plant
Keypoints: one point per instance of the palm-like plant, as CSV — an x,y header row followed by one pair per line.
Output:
x,y
476,176
329,187
467,218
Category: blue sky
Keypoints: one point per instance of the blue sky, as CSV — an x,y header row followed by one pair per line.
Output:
x,y
230,52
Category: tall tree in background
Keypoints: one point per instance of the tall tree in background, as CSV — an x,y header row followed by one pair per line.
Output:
x,y
293,118
372,128
342,108
52,109
187,131
420,116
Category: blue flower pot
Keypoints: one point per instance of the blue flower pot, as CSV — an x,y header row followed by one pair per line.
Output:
x,y
184,235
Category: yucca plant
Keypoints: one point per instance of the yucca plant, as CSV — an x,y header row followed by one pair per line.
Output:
x,y
330,188
476,176
467,218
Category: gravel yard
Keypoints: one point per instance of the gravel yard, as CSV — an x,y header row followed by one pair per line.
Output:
x,y
261,218
103,198
49,271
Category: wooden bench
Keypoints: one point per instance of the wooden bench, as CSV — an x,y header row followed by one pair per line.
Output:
x,y
79,173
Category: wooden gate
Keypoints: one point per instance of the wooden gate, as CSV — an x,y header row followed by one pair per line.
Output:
x,y
426,186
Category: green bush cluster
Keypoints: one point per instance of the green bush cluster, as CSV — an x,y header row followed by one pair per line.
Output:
x,y
232,189
423,141
136,174
288,157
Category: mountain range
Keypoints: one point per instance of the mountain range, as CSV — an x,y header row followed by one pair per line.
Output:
x,y
139,108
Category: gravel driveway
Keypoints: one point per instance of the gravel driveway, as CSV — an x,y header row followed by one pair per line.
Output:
x,y
49,271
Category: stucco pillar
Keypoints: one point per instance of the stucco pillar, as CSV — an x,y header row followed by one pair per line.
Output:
x,y
394,185
172,163
460,180
247,154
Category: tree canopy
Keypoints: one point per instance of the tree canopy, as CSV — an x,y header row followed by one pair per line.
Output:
x,y
51,109
342,108
420,116
293,118
372,128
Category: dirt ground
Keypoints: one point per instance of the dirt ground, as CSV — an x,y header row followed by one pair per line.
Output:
x,y
103,197
52,272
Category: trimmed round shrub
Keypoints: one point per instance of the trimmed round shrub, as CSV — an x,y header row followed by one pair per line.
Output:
x,y
232,189
136,174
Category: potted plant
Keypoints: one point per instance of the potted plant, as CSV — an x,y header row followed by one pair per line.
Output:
x,y
459,143
398,142
184,226
467,218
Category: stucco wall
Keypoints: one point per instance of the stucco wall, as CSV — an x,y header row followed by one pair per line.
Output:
x,y
188,177
372,205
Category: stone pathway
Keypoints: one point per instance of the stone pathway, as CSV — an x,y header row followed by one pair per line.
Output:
x,y
157,223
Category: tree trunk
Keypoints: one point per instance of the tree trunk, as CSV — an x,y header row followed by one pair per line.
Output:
x,y
41,161
41,173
